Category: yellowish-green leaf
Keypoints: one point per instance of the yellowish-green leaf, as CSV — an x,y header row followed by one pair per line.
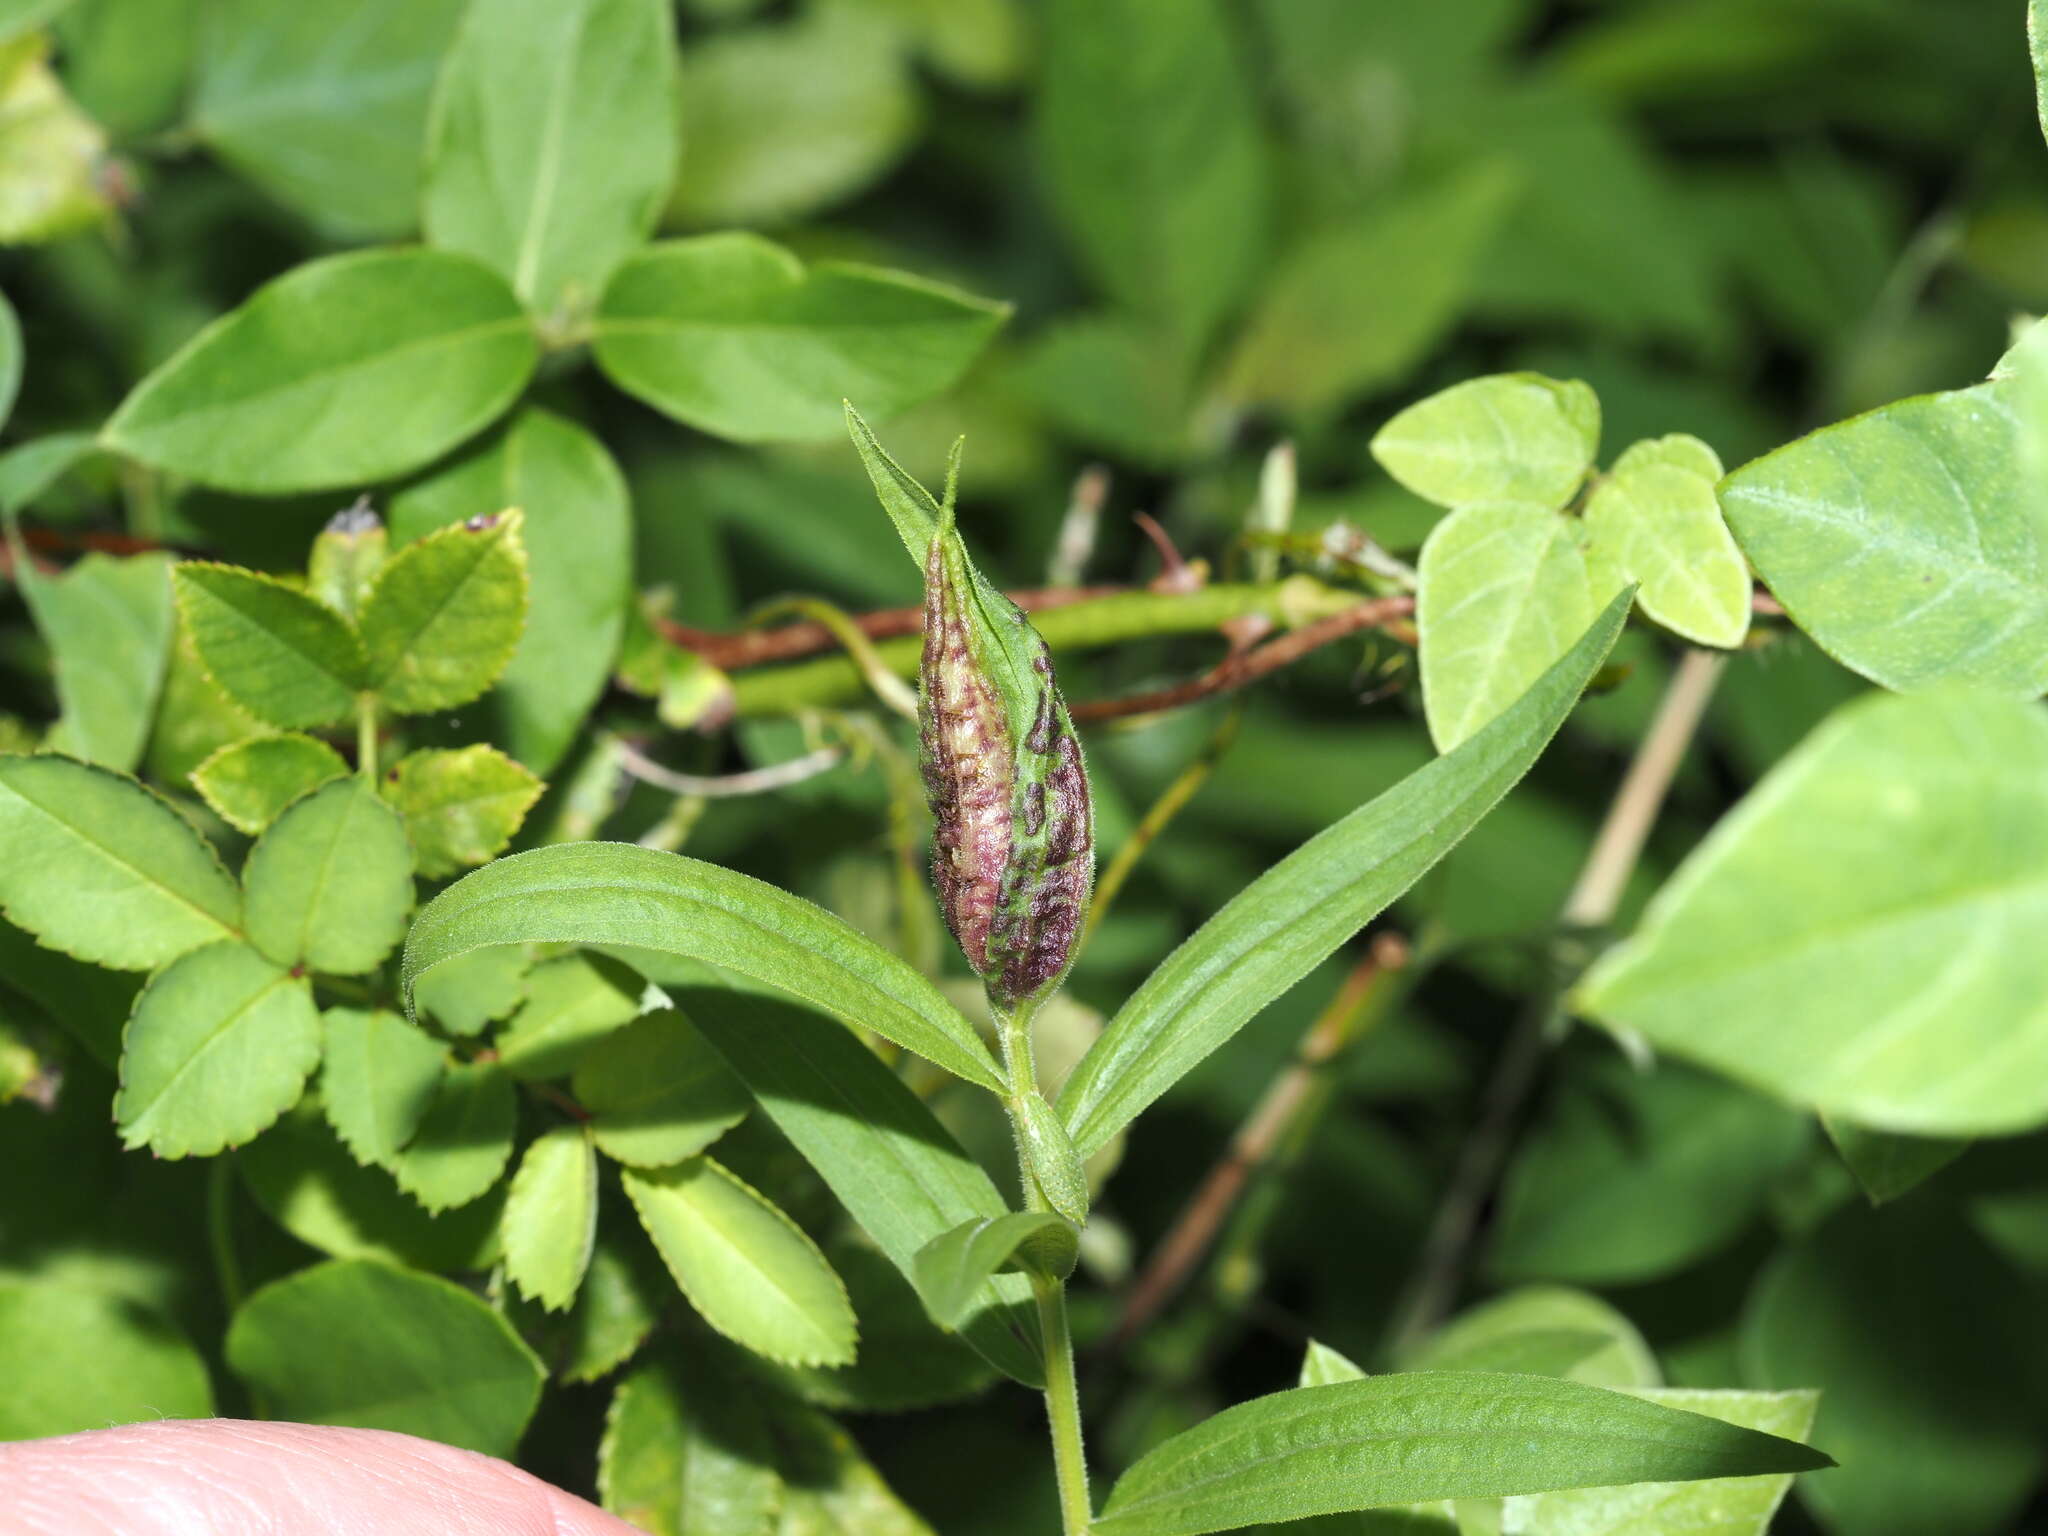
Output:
x,y
749,1270
1655,520
461,806
444,614
1506,437
221,1043
657,1093
78,1358
285,657
572,1002
52,156
330,882
105,870
378,1074
550,1222
1542,1330
687,1451
249,783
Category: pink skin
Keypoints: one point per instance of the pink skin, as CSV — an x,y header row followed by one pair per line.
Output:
x,y
232,1477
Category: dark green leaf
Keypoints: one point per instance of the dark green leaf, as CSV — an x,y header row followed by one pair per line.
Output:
x,y
464,1139
1886,1165
477,989
954,1266
657,1092
283,656
571,1003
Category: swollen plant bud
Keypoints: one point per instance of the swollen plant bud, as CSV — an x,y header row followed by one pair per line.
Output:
x,y
1013,855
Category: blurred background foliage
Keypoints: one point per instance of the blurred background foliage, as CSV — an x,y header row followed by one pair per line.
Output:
x,y
1279,219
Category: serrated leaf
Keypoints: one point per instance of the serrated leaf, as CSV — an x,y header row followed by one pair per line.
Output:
x,y
221,1043
444,615
329,883
285,657
464,1140
732,334
1656,521
1166,199
572,1002
1904,541
953,1267
828,1487
344,371
345,559
1633,1175
108,623
1715,1507
1287,921
550,1222
356,1342
1506,437
657,1092
461,806
1855,936
1542,1330
470,993
686,1450
249,783
1886,1165
1409,1439
105,870
896,1169
378,1075
615,1309
749,1270
579,536
553,141
77,1358
1502,590
307,1182
327,119
578,893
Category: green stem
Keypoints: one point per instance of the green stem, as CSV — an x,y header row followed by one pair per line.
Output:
x,y
1063,1408
366,735
220,1196
1112,620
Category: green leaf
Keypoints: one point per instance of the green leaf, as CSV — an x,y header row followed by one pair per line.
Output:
x,y
953,1267
609,893
749,1270
445,613
1165,198
553,141
1921,1340
1414,1438
221,1043
1357,305
896,1169
356,1342
1287,921
327,119
52,156
2037,44
108,624
310,1185
10,358
345,370
1904,542
1049,1153
1501,591
578,531
657,1093
784,119
1855,936
1322,1365
1716,1507
476,989
464,1139
732,334
345,559
572,1002
249,783
129,61
1634,1175
1885,1165
686,1450
378,1075
828,1487
1542,1330
105,870
285,657
330,881
1507,437
550,1222
27,470
460,806
1654,520
78,1359
617,1306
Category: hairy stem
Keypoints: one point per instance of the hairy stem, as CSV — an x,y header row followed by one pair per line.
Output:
x,y
1063,1408
1594,897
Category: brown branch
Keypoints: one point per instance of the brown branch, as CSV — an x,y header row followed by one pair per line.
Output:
x,y
1250,666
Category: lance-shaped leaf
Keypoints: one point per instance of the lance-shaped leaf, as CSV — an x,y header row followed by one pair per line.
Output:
x,y
617,893
1430,1435
953,1267
283,656
1284,923
898,1172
